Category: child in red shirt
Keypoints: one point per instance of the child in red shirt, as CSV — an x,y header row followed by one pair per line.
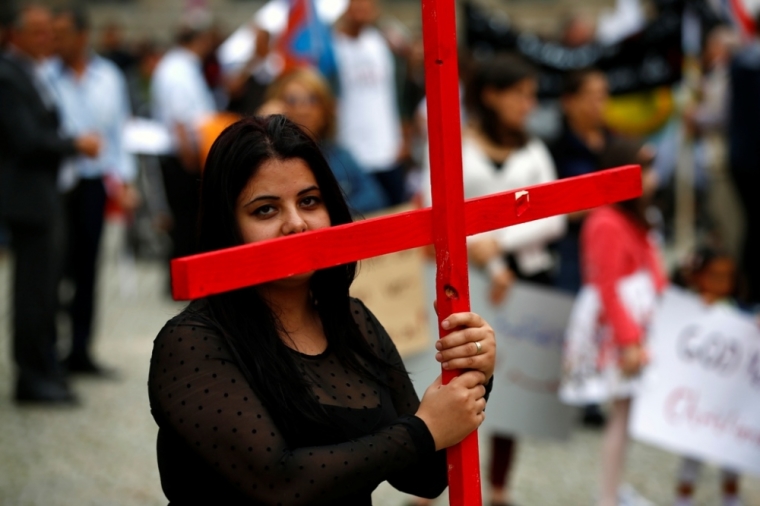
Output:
x,y
606,335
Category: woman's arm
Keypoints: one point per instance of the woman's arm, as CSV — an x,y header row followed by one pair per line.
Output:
x,y
428,477
198,390
603,259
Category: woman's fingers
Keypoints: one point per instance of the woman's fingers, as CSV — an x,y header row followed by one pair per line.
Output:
x,y
470,343
471,346
470,379
462,320
463,336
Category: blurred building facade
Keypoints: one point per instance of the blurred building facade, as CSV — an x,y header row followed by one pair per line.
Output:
x,y
157,18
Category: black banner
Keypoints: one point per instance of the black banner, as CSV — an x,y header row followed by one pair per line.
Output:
x,y
650,58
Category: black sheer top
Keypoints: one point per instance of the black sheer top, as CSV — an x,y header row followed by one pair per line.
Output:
x,y
217,443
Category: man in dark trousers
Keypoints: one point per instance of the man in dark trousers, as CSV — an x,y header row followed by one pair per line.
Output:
x,y
91,93
31,151
744,153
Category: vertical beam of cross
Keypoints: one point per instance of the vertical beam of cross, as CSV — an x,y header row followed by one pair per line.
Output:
x,y
445,138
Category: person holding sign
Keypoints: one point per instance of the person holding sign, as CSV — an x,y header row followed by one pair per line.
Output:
x,y
291,392
499,155
606,336
712,274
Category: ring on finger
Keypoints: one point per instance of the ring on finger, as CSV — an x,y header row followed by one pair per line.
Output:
x,y
479,348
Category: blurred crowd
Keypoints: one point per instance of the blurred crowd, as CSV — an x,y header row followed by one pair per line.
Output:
x,y
69,94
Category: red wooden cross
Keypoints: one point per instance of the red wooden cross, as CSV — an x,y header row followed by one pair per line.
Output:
x,y
446,225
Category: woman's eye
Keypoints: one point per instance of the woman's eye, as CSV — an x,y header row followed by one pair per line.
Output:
x,y
310,201
264,210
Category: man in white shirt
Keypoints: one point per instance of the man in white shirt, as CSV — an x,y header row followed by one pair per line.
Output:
x,y
181,100
369,125
91,94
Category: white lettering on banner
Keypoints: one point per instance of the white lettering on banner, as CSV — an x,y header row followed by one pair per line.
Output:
x,y
700,395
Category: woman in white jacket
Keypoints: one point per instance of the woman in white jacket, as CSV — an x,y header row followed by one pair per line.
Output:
x,y
499,155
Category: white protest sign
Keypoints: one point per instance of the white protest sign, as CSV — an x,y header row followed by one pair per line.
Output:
x,y
700,395
530,328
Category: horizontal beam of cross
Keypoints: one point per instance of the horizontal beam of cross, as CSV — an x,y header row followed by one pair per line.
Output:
x,y
251,264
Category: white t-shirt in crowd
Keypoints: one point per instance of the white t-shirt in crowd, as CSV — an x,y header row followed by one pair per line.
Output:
x,y
179,93
368,119
528,166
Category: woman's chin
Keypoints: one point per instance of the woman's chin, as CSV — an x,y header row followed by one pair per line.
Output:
x,y
295,281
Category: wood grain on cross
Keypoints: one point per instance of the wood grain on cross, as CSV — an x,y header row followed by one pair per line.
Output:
x,y
445,225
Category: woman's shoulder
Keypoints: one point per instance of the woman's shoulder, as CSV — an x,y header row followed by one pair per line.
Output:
x,y
368,324
194,318
537,148
605,217
360,312
472,152
611,223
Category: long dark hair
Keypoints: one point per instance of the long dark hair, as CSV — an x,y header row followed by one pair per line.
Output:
x,y
246,321
499,72
621,151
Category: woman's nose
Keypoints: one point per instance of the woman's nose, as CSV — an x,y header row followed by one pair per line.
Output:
x,y
294,223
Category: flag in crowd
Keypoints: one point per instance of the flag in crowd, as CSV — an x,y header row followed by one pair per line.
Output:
x,y
307,40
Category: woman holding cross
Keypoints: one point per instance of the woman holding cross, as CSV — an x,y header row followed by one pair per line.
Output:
x,y
291,392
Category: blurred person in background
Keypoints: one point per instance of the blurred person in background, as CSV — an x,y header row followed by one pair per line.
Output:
x,y
369,125
91,93
147,54
576,152
248,76
307,101
31,151
5,24
212,69
706,122
113,47
412,95
181,99
576,30
617,249
711,274
499,155
744,153
246,84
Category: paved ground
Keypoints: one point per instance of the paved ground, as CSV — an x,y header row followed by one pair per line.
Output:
x,y
102,453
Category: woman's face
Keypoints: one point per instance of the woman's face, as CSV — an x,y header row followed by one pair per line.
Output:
x,y
586,107
512,105
716,281
304,107
282,198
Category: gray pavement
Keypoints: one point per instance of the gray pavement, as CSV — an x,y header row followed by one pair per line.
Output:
x,y
103,453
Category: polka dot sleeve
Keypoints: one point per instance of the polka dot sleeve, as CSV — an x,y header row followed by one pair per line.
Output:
x,y
197,391
429,477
